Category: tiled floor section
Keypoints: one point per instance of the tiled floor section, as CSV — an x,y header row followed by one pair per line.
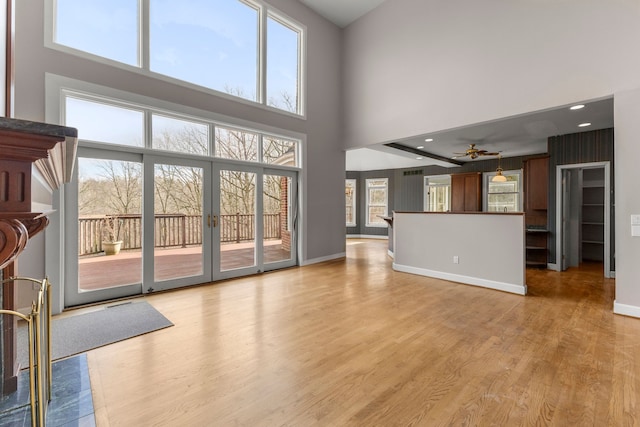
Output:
x,y
71,401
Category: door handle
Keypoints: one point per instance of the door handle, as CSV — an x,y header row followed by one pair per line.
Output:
x,y
209,220
215,221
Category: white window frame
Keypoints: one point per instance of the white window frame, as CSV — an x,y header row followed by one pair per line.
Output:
x,y
426,194
353,183
143,67
487,176
369,205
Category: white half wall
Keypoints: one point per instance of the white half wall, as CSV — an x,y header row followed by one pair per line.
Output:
x,y
489,248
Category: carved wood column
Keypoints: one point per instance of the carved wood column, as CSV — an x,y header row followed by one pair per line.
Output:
x,y
23,144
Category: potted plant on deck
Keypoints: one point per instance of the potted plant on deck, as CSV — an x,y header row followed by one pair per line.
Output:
x,y
111,243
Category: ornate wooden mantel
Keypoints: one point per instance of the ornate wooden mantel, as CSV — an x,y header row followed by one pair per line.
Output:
x,y
23,144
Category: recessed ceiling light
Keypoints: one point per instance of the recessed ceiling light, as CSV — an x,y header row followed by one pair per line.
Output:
x,y
577,107
428,140
420,147
584,125
418,158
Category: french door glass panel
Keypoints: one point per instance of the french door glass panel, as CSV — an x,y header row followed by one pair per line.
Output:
x,y
178,223
103,216
237,219
277,217
109,223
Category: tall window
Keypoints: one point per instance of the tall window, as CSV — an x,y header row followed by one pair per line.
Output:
x,y
212,44
223,45
377,200
283,45
437,193
350,201
503,196
110,29
94,117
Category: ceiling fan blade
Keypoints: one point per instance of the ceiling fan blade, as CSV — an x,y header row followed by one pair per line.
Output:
x,y
485,153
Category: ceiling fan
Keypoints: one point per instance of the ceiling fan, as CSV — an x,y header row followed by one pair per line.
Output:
x,y
473,153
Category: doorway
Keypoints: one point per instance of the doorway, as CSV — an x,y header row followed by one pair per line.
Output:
x,y
178,222
583,215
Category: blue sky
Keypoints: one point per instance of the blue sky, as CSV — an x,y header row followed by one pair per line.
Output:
x,y
212,43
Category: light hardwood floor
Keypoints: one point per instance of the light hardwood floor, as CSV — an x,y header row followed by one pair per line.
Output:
x,y
351,342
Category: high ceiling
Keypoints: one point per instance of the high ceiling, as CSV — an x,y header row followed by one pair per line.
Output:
x,y
342,12
513,136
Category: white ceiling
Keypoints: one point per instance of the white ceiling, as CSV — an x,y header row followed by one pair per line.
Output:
x,y
515,136
342,12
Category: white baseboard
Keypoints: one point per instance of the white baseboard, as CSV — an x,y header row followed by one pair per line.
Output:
x,y
467,280
626,310
612,275
323,259
552,266
367,236
390,253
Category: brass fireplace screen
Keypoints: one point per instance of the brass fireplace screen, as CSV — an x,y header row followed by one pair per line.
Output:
x,y
39,334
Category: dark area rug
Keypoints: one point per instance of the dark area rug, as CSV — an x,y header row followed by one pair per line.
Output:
x,y
77,334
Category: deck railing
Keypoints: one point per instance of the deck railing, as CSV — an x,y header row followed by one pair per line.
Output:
x,y
170,230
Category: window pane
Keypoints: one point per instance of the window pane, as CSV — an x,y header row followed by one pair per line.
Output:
x,y
279,151
503,202
212,44
377,196
108,28
377,183
178,193
350,193
374,212
236,144
282,66
179,135
237,219
109,223
510,186
105,123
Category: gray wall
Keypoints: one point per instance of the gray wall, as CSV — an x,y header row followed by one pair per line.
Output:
x,y
440,65
407,191
406,187
584,147
323,205
415,67
627,176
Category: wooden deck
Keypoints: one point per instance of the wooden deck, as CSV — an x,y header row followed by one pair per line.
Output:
x,y
100,272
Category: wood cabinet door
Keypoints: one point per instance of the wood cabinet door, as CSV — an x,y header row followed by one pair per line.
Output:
x,y
457,193
466,192
536,183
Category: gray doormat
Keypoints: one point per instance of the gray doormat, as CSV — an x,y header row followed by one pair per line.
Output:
x,y
77,334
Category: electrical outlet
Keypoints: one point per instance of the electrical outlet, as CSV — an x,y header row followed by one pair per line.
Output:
x,y
456,259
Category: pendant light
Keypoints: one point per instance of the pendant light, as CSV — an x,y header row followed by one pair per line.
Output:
x,y
498,176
